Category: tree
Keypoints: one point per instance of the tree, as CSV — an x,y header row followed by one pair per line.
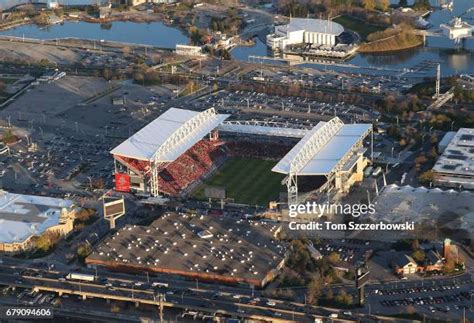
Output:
x,y
46,241
343,298
426,177
383,4
449,266
334,257
7,136
299,257
421,5
368,4
85,214
415,245
114,308
83,251
330,294
418,255
43,62
225,54
315,288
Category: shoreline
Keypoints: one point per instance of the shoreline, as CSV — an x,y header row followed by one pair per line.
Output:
x,y
395,50
149,19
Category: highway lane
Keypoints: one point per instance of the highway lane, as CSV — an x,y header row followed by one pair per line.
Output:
x,y
184,294
197,299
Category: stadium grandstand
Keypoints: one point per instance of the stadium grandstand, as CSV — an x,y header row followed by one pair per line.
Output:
x,y
331,149
163,150
171,156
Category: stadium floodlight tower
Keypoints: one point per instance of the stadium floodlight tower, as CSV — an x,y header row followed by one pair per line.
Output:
x,y
317,141
181,135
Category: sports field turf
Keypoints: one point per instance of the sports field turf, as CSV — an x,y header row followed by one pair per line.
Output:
x,y
246,180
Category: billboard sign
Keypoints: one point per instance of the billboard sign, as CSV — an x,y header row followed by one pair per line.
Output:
x,y
122,182
362,279
114,208
214,192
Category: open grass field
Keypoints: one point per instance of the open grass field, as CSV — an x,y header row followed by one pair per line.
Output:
x,y
357,25
246,180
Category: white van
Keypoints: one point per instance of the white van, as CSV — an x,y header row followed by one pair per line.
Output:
x,y
377,171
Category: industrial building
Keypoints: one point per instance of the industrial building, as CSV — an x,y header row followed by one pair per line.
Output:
x,y
304,31
436,212
455,167
23,217
187,50
127,2
209,248
457,29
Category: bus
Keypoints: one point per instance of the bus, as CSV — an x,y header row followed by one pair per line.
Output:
x,y
158,284
79,276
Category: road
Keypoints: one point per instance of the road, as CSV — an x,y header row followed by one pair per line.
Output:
x,y
182,294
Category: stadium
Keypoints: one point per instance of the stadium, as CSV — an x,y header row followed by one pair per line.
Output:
x,y
202,155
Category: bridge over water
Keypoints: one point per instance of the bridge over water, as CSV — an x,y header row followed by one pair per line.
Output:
x,y
9,4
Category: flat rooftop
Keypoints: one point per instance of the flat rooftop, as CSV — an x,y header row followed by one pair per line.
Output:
x,y
157,134
223,248
458,157
434,211
22,216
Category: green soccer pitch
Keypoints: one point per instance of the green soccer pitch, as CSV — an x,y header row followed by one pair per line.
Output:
x,y
246,180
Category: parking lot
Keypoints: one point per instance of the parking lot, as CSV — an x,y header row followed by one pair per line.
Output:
x,y
288,110
65,129
434,298
333,80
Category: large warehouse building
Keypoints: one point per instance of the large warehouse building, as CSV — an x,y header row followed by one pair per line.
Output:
x,y
455,167
23,217
207,248
304,31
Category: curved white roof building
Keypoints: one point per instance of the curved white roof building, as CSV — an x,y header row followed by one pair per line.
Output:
x,y
304,31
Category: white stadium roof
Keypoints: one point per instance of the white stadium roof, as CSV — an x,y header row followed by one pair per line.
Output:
x,y
170,135
315,25
334,146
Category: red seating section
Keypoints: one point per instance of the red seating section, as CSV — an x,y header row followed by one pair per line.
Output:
x,y
189,167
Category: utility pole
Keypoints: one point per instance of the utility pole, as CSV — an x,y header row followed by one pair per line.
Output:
x,y
161,307
438,80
